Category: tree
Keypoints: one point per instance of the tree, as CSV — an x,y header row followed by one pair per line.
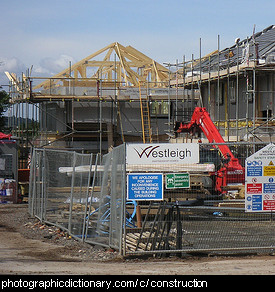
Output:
x,y
4,105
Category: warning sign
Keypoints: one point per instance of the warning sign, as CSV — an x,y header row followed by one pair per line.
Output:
x,y
269,170
259,180
254,188
269,205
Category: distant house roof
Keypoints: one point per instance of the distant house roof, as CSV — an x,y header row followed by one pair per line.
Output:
x,y
258,47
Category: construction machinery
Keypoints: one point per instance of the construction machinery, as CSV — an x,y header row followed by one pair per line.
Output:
x,y
231,172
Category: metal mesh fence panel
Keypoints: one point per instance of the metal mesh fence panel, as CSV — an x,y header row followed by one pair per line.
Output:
x,y
36,202
59,188
174,228
104,223
79,193
58,181
208,214
86,195
117,196
98,224
31,182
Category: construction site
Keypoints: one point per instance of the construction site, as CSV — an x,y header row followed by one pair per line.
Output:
x,y
118,94
108,133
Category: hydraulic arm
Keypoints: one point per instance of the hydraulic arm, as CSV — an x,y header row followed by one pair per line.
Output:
x,y
231,172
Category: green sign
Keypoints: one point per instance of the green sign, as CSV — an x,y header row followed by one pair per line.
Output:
x,y
177,180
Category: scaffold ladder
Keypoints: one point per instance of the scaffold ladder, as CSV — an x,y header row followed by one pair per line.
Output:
x,y
145,116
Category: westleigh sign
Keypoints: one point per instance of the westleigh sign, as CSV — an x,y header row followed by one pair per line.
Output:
x,y
162,153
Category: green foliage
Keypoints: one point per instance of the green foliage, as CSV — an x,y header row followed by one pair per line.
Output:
x,y
4,105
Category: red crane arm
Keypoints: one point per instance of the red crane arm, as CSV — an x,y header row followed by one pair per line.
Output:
x,y
232,171
201,119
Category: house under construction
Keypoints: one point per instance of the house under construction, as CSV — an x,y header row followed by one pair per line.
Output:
x,y
237,86
118,94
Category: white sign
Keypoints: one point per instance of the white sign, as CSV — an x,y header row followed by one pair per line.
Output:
x,y
260,180
162,153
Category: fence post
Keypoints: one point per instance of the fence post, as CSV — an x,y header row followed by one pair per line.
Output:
x,y
72,192
112,197
42,185
87,197
122,245
32,182
92,192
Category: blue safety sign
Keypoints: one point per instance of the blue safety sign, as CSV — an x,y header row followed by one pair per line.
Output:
x,y
269,188
257,203
145,186
254,171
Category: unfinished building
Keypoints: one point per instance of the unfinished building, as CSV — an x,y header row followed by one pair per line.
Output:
x,y
118,94
237,86
115,95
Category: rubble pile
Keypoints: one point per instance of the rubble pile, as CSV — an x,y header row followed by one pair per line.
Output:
x,y
16,217
53,234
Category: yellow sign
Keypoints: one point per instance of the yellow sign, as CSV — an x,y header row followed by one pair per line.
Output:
x,y
269,170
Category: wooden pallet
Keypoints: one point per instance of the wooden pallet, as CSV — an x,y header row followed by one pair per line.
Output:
x,y
135,242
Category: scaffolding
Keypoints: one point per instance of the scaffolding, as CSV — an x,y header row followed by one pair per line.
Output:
x,y
236,85
112,84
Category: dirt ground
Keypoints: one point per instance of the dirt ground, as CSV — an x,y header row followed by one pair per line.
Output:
x,y
29,247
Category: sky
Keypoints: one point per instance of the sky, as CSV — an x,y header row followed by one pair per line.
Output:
x,y
47,35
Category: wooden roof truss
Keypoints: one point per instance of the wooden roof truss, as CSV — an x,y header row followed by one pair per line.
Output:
x,y
124,65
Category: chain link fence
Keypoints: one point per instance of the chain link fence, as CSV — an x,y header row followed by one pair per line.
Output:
x,y
86,195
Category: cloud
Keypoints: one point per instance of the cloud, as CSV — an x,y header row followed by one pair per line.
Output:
x,y
52,66
11,65
46,67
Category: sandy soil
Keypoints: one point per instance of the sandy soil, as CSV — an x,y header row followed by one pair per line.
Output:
x,y
29,247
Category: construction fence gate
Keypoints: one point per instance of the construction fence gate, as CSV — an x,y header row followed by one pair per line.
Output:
x,y
151,199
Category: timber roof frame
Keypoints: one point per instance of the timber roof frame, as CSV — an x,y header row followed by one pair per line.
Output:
x,y
128,68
